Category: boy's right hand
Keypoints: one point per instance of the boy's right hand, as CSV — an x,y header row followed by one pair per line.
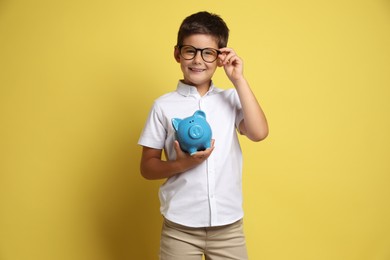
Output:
x,y
192,160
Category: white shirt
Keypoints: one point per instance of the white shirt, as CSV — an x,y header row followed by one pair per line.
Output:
x,y
211,193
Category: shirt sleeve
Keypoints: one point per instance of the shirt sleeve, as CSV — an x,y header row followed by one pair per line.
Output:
x,y
154,132
239,113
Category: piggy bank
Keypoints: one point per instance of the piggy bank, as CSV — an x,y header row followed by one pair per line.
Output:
x,y
193,133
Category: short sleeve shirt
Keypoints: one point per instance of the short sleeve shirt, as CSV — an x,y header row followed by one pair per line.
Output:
x,y
211,193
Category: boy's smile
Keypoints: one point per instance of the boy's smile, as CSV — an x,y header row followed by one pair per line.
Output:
x,y
197,72
196,69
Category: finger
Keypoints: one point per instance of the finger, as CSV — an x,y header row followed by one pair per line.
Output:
x,y
177,148
211,148
222,58
203,155
235,60
230,59
208,151
226,54
177,145
226,50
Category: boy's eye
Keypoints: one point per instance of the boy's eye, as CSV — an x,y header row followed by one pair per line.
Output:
x,y
209,52
188,50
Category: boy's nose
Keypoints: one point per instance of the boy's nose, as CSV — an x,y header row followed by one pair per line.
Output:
x,y
198,56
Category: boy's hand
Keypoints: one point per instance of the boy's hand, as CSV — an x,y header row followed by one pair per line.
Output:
x,y
191,161
232,64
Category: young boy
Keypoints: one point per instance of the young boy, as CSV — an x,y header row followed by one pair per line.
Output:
x,y
201,200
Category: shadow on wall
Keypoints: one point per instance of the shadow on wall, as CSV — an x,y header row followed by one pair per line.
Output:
x,y
123,206
125,214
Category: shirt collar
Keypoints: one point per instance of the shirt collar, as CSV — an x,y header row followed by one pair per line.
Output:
x,y
188,90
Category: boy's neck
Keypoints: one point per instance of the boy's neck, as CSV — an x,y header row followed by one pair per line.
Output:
x,y
202,89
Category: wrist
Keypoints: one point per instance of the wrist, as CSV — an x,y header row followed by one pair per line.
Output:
x,y
239,82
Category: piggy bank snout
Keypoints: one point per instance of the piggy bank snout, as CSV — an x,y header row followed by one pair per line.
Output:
x,y
195,131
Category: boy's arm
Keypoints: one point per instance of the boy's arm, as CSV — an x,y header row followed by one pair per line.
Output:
x,y
153,168
254,125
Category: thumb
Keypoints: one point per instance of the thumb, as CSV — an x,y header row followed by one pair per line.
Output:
x,y
176,144
177,147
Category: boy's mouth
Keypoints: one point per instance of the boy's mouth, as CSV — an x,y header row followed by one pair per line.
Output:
x,y
197,69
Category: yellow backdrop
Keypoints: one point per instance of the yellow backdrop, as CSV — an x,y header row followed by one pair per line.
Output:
x,y
77,79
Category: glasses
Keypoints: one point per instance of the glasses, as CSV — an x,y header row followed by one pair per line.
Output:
x,y
189,52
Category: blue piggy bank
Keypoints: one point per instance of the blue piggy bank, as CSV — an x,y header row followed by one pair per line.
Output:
x,y
193,133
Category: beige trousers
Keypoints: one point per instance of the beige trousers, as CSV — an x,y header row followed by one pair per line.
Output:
x,y
215,243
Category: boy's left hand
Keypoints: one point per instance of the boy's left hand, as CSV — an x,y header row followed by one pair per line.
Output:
x,y
232,64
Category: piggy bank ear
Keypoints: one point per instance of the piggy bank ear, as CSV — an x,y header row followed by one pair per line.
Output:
x,y
200,113
175,123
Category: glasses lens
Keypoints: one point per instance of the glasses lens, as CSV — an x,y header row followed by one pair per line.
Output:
x,y
209,55
188,52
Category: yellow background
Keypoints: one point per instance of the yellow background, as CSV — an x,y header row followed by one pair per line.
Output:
x,y
77,79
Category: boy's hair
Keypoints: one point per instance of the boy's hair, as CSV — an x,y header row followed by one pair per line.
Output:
x,y
204,23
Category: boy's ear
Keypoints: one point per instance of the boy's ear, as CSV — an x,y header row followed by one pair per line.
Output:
x,y
176,54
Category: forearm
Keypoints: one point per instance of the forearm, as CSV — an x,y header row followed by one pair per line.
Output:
x,y
255,125
154,168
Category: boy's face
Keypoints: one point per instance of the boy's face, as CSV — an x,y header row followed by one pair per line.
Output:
x,y
197,72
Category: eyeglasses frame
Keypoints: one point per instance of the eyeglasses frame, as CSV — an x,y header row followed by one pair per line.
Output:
x,y
201,52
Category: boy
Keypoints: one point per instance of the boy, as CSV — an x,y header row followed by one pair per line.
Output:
x,y
201,200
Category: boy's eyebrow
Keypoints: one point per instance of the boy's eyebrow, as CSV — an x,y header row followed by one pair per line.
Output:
x,y
182,45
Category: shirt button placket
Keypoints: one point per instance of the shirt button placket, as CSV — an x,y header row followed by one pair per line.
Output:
x,y
210,179
211,190
200,104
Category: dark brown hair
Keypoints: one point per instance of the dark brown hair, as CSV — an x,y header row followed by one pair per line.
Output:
x,y
204,23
